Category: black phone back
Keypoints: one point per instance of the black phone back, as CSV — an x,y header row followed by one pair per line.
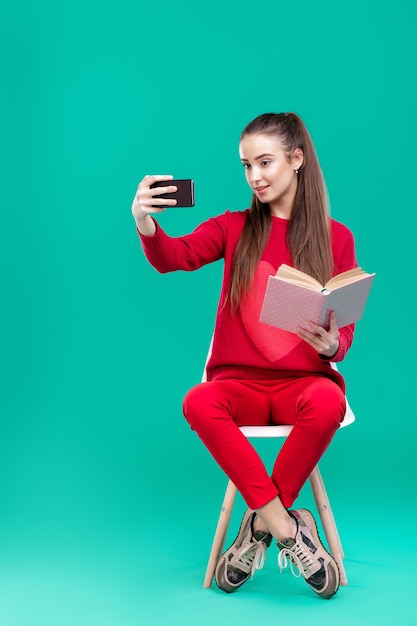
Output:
x,y
184,194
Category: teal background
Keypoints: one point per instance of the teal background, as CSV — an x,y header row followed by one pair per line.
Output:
x,y
108,502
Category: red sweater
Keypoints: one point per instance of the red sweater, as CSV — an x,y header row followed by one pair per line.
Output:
x,y
242,346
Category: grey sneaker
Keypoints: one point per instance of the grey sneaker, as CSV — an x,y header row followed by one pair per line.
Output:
x,y
307,552
246,555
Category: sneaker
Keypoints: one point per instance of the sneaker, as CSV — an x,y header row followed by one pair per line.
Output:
x,y
246,555
307,552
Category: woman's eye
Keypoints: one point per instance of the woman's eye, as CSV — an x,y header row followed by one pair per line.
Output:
x,y
246,166
265,163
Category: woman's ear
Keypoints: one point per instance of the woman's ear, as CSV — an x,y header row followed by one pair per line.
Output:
x,y
297,159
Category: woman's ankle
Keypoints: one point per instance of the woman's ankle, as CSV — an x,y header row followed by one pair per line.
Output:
x,y
258,525
282,526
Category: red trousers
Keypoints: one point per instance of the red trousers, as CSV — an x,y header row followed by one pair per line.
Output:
x,y
315,405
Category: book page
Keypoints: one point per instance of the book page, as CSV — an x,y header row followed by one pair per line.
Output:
x,y
297,277
345,278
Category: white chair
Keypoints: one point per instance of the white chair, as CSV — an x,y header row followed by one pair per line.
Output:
x,y
317,485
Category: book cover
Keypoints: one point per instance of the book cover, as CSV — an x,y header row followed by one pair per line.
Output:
x,y
287,305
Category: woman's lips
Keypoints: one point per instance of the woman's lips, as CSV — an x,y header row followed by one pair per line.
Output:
x,y
261,190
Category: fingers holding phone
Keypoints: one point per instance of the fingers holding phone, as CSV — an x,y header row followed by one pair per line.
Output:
x,y
157,193
145,202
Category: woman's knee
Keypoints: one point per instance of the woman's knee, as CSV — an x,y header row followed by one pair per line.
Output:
x,y
192,403
202,403
327,402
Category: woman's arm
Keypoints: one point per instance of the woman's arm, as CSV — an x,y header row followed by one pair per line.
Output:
x,y
204,245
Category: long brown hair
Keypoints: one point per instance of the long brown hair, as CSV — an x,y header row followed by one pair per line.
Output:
x,y
308,236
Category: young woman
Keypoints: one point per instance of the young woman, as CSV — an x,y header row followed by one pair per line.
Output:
x,y
259,375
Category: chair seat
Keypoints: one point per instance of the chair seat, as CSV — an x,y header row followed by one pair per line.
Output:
x,y
266,431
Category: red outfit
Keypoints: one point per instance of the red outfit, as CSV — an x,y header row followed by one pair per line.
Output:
x,y
258,374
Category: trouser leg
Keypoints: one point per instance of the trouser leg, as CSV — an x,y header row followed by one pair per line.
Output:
x,y
215,410
315,406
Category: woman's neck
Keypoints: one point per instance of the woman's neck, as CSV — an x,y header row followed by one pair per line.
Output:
x,y
281,212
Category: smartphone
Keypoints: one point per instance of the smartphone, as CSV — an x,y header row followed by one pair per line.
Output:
x,y
184,194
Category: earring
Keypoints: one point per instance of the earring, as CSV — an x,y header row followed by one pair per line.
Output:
x,y
296,171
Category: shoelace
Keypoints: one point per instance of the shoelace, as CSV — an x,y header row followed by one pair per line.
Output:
x,y
252,559
297,556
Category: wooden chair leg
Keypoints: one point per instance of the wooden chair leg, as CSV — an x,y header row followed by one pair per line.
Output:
x,y
323,502
328,521
220,534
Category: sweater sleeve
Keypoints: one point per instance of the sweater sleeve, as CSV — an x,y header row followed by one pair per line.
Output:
x,y
189,252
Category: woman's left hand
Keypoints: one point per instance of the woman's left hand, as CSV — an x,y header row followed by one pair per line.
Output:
x,y
326,342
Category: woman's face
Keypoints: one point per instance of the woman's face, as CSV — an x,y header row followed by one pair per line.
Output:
x,y
269,173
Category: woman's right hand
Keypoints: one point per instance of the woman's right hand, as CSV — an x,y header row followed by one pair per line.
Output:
x,y
147,202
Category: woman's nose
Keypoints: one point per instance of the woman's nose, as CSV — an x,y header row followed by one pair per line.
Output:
x,y
254,175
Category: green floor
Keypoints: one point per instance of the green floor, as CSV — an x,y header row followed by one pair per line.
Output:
x,y
99,529
149,572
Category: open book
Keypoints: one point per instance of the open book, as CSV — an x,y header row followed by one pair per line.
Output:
x,y
293,298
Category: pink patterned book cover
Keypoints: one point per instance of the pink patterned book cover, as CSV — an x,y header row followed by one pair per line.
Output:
x,y
287,306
